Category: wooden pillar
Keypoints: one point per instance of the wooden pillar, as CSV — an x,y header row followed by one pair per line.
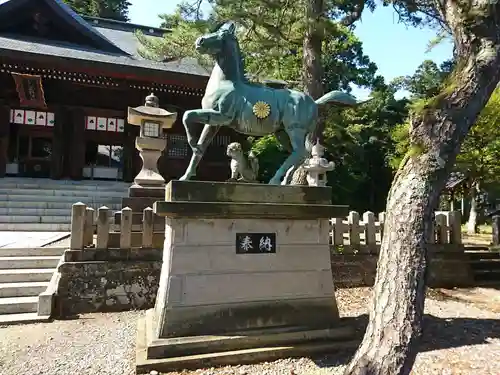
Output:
x,y
78,144
58,143
4,138
129,153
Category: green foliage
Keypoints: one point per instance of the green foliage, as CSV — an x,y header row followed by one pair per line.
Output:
x,y
271,34
111,9
401,139
427,81
179,42
359,141
480,153
270,154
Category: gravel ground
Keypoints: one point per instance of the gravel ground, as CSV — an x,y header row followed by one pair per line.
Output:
x,y
462,336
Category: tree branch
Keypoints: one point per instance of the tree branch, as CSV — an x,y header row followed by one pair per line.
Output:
x,y
354,15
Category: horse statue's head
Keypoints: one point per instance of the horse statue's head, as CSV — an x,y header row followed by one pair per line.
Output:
x,y
213,43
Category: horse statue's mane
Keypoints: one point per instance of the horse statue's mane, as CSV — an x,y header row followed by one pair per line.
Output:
x,y
246,77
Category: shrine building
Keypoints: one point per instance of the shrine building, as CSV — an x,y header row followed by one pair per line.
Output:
x,y
67,82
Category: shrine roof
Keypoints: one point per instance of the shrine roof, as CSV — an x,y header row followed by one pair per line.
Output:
x,y
455,180
87,40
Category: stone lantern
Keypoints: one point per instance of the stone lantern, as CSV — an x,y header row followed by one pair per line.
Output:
x,y
317,166
152,119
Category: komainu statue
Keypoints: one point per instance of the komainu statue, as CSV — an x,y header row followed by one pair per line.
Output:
x,y
243,169
253,109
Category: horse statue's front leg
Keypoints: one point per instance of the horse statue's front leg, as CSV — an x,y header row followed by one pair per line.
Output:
x,y
213,121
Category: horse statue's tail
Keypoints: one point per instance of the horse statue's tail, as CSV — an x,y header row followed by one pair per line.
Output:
x,y
337,98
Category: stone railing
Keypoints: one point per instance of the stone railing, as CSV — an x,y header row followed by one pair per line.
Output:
x,y
126,229
363,233
356,244
85,223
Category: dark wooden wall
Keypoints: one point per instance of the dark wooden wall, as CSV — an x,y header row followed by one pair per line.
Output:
x,y
71,102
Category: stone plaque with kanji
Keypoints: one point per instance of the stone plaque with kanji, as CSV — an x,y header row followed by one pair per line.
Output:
x,y
255,243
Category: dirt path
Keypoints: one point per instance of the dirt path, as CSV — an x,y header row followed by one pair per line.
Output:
x,y
461,337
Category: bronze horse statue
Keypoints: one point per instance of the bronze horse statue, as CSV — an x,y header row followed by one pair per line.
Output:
x,y
249,108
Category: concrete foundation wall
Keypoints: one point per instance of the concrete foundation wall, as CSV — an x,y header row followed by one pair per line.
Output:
x,y
446,270
107,281
117,280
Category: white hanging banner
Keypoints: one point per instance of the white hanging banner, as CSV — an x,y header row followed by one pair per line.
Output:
x,y
28,117
109,124
91,123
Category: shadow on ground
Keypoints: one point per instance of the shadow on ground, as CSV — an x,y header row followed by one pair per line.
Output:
x,y
438,333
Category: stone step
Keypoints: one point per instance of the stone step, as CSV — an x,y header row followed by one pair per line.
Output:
x,y
55,205
487,276
29,262
18,305
24,289
101,198
30,183
26,275
35,211
479,255
62,193
34,227
36,252
485,264
35,219
23,318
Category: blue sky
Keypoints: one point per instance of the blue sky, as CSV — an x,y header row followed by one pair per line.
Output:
x,y
395,48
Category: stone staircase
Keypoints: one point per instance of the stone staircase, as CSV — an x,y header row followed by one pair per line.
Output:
x,y
485,266
28,204
24,274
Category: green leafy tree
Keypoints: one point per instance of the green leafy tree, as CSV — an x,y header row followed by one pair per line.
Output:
x,y
427,80
425,83
479,155
111,9
359,142
271,34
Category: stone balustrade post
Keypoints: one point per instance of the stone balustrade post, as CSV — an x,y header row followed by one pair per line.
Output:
x,y
126,229
78,219
370,230
147,228
354,229
89,227
103,225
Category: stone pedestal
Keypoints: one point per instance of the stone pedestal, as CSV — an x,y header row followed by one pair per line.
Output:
x,y
223,301
150,150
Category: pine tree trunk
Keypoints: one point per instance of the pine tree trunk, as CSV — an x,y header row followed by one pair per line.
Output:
x,y
312,67
390,344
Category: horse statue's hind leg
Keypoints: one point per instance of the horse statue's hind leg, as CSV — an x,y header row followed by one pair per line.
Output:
x,y
213,121
297,135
